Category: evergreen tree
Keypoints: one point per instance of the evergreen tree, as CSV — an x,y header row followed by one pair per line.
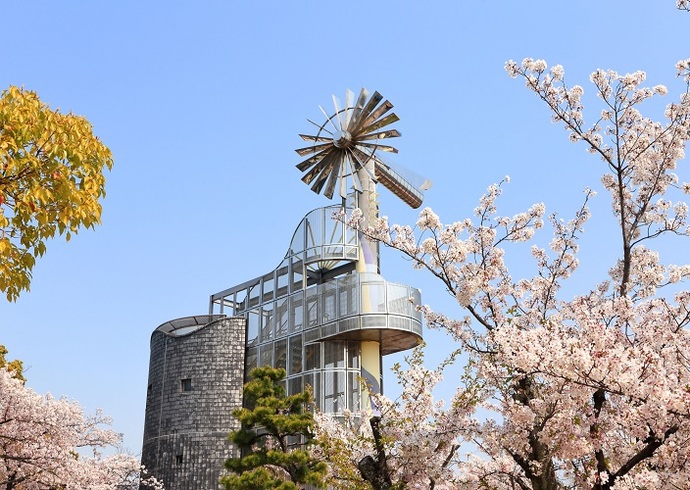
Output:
x,y
274,437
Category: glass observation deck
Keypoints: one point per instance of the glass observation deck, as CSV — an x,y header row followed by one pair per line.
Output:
x,y
311,315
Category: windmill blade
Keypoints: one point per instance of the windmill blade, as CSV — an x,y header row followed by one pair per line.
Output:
x,y
343,177
389,133
349,108
318,165
361,100
338,115
366,110
309,137
312,149
397,184
375,147
389,119
322,127
380,111
309,176
329,163
332,179
361,158
329,119
313,160
356,183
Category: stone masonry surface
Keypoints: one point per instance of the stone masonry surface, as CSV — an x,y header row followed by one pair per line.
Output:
x,y
195,381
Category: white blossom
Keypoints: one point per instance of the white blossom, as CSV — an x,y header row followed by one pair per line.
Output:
x,y
562,385
50,443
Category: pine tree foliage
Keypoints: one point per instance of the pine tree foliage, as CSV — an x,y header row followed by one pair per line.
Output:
x,y
274,437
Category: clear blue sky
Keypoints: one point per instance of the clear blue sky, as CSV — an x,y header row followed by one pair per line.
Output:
x,y
201,104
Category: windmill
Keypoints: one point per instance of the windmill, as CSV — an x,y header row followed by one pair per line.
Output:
x,y
345,154
346,149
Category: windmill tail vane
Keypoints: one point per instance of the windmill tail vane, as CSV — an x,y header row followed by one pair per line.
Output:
x,y
346,149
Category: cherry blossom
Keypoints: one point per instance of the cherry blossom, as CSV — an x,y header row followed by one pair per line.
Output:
x,y
588,389
417,434
48,443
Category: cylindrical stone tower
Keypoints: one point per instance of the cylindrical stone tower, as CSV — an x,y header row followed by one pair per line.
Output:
x,y
196,373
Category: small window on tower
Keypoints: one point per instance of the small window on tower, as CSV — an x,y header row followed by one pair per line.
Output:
x,y
186,385
178,459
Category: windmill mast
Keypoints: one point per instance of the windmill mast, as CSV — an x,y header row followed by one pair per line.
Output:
x,y
367,203
368,263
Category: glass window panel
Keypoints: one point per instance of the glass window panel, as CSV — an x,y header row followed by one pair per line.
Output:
x,y
266,355
253,322
313,381
398,299
318,389
351,236
381,295
312,307
269,284
314,230
329,305
333,391
374,295
281,317
295,354
254,294
280,354
297,275
334,231
312,353
416,297
267,322
353,354
240,301
250,361
352,252
334,354
354,391
348,296
282,280
295,385
296,312
297,244
308,381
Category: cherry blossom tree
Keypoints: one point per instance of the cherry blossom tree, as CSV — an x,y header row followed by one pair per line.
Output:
x,y
411,442
558,391
49,443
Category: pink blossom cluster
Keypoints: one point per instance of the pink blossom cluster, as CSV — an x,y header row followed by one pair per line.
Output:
x,y
48,443
419,433
586,390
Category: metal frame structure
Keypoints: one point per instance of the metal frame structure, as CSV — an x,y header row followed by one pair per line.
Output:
x,y
311,314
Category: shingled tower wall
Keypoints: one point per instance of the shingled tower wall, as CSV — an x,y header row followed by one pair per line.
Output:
x,y
196,373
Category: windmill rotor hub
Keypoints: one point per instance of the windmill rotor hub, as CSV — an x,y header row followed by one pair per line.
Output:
x,y
342,139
